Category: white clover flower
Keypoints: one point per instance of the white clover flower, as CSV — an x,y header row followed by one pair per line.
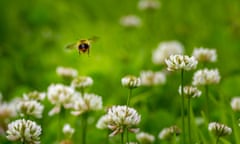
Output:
x,y
235,103
205,55
103,122
131,82
82,82
30,108
66,72
206,77
190,91
169,132
178,62
88,102
219,129
60,95
68,130
165,49
25,131
123,117
149,78
7,110
148,4
145,138
34,95
130,21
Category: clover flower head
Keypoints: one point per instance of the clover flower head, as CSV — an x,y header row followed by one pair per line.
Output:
x,y
165,49
190,91
131,82
123,117
68,130
7,110
34,95
149,78
25,131
235,103
66,72
130,21
168,133
219,129
85,103
148,4
60,95
103,122
178,62
206,77
82,82
30,108
145,138
205,55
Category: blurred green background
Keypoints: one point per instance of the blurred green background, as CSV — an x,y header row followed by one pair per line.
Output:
x,y
33,36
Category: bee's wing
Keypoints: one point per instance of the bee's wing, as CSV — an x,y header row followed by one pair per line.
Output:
x,y
71,46
93,39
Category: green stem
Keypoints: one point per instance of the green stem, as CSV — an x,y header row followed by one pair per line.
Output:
x,y
84,127
128,103
107,137
173,141
182,109
59,127
235,128
127,137
189,120
128,98
122,137
207,101
217,140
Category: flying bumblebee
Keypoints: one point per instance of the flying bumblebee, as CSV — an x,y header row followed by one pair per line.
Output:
x,y
83,45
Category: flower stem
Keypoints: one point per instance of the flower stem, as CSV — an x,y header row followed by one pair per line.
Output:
x,y
59,127
128,98
217,140
107,137
84,127
173,140
127,137
128,103
122,137
235,128
207,100
189,120
182,109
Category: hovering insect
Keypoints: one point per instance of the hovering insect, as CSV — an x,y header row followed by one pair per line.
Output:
x,y
83,45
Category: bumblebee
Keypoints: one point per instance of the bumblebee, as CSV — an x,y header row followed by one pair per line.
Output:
x,y
83,45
